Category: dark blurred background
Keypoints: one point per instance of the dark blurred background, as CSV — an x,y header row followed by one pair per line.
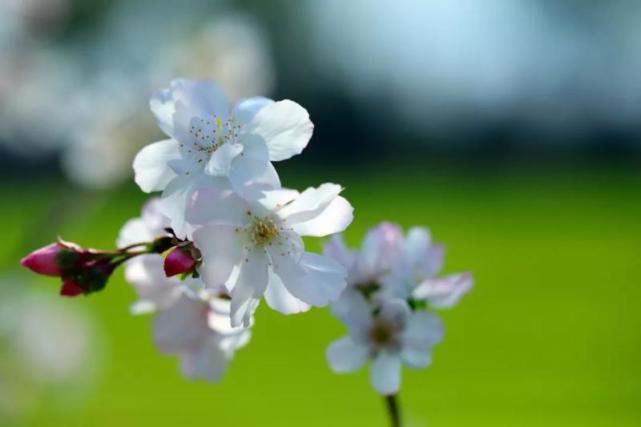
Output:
x,y
510,127
484,83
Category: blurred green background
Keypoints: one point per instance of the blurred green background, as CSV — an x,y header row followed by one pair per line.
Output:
x,y
549,336
511,128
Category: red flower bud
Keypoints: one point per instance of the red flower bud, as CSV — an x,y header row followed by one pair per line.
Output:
x,y
71,289
44,260
179,261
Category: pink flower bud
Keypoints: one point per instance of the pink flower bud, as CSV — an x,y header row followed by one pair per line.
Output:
x,y
44,260
71,289
178,261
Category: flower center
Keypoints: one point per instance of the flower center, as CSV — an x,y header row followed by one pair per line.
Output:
x,y
209,134
263,231
368,288
383,334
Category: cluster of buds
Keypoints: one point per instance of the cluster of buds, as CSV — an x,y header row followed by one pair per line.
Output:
x,y
85,270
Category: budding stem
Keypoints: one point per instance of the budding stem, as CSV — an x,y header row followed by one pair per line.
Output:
x,y
393,410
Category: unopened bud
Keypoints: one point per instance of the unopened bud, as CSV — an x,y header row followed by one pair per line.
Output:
x,y
44,260
179,261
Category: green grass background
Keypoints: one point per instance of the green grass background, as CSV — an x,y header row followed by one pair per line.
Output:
x,y
550,335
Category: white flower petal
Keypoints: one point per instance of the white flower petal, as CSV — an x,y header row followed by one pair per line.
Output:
x,y
152,172
219,319
416,358
333,219
417,241
181,327
134,231
247,108
353,309
385,373
310,203
416,247
206,362
380,249
275,199
422,330
336,249
184,166
285,127
220,161
249,287
344,355
251,170
433,261
232,342
154,289
221,251
163,107
203,98
444,292
315,280
280,299
213,201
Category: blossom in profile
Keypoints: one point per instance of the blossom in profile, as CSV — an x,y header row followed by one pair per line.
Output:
x,y
198,330
254,247
189,321
391,265
416,272
368,267
209,137
390,336
146,272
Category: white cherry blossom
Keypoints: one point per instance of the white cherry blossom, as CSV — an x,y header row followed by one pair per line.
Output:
x,y
389,336
208,137
254,248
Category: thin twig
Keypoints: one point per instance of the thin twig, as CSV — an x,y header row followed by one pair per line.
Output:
x,y
394,410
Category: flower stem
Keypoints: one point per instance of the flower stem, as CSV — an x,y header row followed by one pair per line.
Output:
x,y
394,410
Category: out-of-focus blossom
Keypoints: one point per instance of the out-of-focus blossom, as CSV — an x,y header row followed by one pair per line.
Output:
x,y
390,336
392,282
390,265
87,97
369,267
230,50
145,272
189,321
199,331
415,272
44,344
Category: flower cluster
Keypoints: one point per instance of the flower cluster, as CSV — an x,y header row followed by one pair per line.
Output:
x,y
391,282
224,234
